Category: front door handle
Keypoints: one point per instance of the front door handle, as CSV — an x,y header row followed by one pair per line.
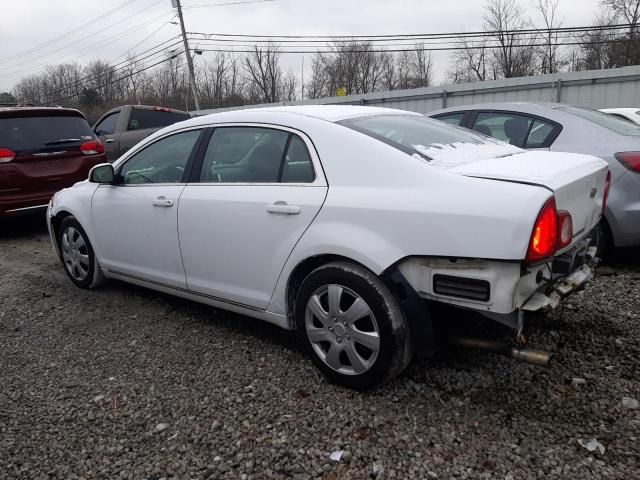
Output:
x,y
284,208
162,201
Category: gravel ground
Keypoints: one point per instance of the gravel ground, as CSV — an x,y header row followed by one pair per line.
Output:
x,y
123,382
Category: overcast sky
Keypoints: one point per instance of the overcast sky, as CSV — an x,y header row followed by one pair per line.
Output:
x,y
29,23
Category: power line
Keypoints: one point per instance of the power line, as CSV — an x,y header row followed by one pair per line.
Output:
x,y
82,81
80,53
392,37
71,32
226,3
397,50
55,100
83,38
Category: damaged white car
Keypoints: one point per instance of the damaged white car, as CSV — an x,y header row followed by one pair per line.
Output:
x,y
343,223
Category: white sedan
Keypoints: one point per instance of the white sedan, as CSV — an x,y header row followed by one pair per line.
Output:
x,y
344,223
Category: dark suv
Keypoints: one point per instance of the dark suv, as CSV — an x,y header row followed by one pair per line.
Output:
x,y
43,150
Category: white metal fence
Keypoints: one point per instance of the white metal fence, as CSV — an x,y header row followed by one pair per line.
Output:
x,y
618,87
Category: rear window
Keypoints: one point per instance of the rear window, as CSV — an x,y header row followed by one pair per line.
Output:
x,y
411,133
604,120
38,133
439,144
142,118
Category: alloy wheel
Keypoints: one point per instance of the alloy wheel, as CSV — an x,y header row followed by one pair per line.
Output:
x,y
342,329
75,253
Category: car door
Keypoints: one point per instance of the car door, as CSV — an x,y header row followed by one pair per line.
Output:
x,y
135,219
524,131
255,193
105,130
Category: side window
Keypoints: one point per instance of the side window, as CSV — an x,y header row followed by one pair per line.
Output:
x,y
539,135
451,118
507,127
108,125
244,155
142,118
298,167
161,162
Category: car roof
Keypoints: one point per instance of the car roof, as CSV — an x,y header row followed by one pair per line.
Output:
x,y
330,113
12,112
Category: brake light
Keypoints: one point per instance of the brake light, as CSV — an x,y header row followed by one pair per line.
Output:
x,y
544,238
162,109
605,194
630,160
6,155
92,147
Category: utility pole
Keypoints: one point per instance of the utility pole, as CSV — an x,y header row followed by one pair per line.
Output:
x,y
187,52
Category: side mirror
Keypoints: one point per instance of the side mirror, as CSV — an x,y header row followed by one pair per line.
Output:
x,y
102,173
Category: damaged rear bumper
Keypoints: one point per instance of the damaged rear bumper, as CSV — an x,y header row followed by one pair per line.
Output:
x,y
550,298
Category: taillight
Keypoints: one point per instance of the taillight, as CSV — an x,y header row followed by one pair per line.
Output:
x,y
605,194
552,231
544,238
6,155
631,160
92,147
565,229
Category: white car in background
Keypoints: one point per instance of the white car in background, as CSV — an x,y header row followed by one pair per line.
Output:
x,y
630,114
344,223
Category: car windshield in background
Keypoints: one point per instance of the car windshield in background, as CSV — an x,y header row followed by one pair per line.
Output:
x,y
605,120
38,133
144,118
412,133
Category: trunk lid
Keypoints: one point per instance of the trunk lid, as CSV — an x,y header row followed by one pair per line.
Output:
x,y
577,181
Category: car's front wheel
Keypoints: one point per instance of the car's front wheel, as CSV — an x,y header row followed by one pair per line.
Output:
x,y
77,254
351,326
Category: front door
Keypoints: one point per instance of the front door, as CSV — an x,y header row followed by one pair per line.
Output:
x,y
105,130
135,220
257,192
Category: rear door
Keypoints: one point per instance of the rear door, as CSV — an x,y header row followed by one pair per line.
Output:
x,y
255,193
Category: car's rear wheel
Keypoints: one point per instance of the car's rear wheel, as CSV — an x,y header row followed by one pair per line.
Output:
x,y
77,254
351,326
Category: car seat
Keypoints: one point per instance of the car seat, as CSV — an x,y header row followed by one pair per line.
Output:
x,y
516,129
264,163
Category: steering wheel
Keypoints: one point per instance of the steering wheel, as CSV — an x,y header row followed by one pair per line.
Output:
x,y
169,174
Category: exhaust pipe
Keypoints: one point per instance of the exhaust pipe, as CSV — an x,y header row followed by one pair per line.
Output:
x,y
528,355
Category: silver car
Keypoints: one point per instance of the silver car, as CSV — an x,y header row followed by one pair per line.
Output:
x,y
564,128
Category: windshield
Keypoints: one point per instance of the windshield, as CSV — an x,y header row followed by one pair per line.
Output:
x,y
38,133
440,144
605,120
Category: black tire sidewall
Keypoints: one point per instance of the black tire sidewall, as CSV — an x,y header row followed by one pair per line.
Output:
x,y
393,334
72,222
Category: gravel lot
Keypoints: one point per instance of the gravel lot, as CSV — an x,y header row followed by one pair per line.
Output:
x,y
123,382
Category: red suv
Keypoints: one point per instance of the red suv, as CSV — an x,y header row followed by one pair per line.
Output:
x,y
43,150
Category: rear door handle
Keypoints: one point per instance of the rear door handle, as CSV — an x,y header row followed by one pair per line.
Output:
x,y
109,140
162,201
284,208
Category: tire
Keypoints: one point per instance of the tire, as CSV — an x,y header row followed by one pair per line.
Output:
x,y
603,239
359,348
77,256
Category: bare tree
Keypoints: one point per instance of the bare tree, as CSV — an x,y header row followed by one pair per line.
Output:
x,y
627,50
513,57
470,63
550,59
422,67
264,73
